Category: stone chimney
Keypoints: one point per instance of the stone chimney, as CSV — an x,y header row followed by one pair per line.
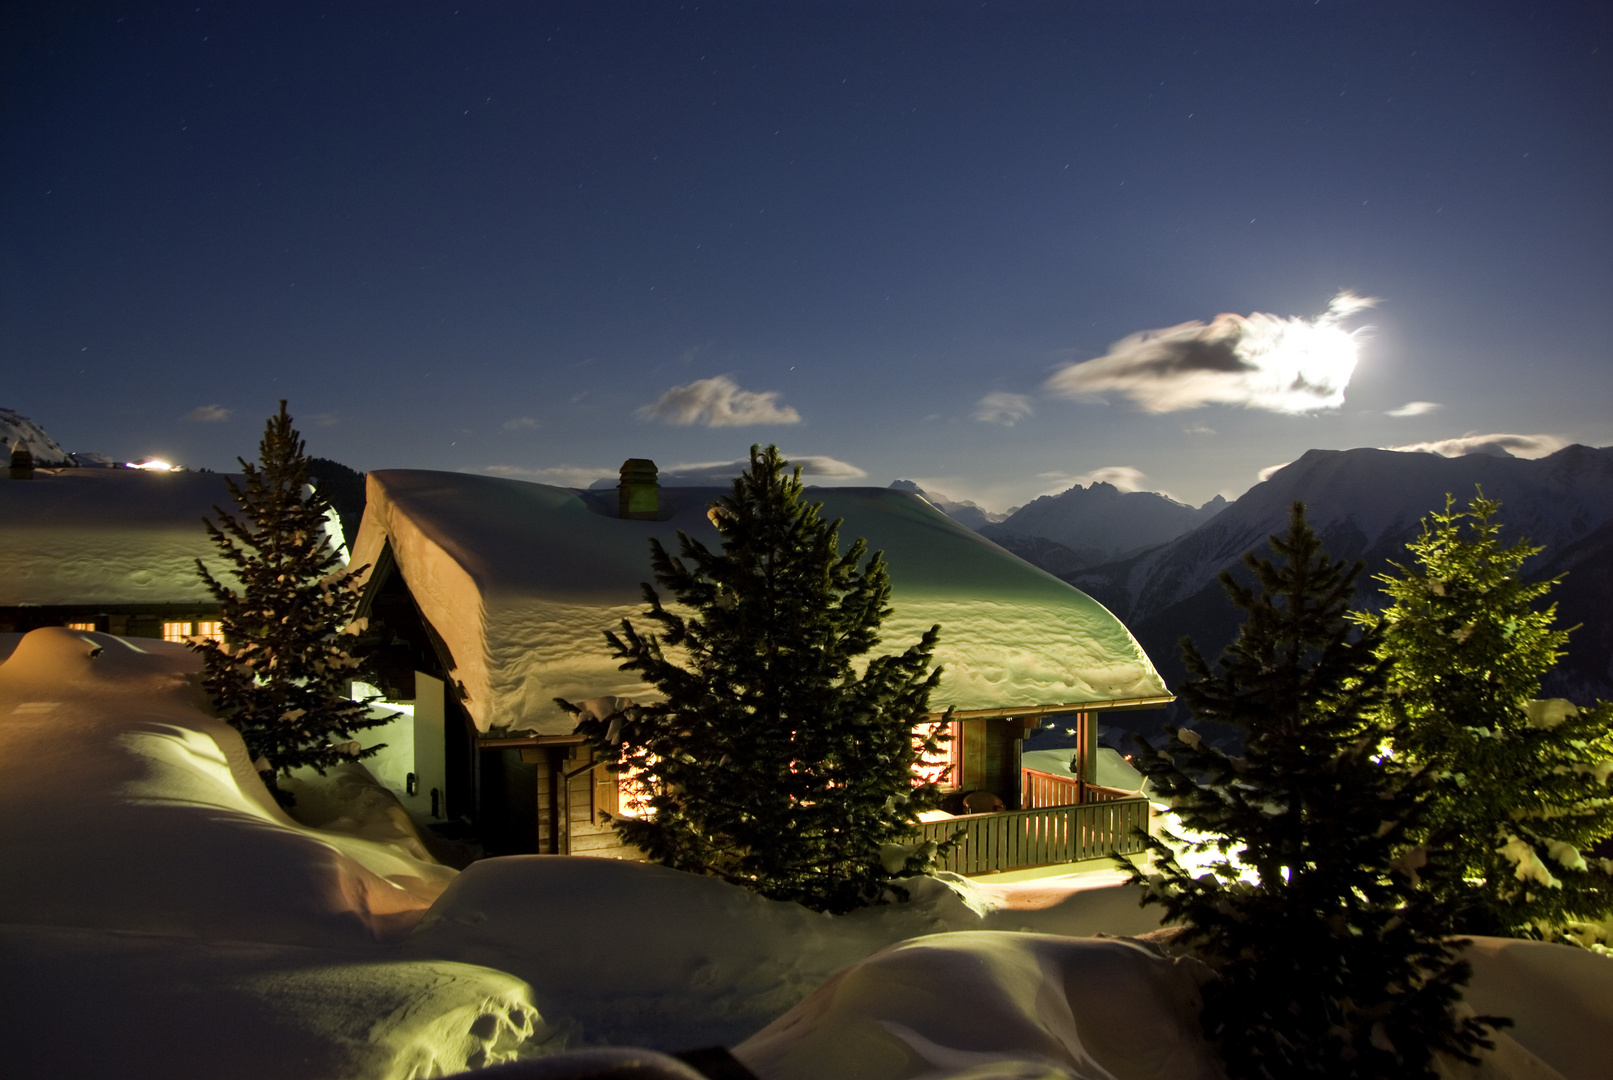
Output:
x,y
638,493
22,461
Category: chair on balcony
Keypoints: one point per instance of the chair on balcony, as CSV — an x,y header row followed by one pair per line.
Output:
x,y
982,802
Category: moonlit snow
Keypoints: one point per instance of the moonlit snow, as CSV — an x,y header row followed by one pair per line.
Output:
x,y
161,917
522,580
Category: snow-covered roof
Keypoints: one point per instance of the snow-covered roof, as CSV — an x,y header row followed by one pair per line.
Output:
x,y
520,580
106,536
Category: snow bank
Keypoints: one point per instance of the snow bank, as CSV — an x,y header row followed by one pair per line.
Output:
x,y
108,536
520,580
633,953
1560,1000
93,1003
990,1005
160,917
127,807
993,1006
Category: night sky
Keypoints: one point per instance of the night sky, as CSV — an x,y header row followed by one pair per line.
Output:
x,y
537,239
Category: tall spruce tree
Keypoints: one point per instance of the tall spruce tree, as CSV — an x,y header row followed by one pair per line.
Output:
x,y
771,762
1329,961
282,675
1522,792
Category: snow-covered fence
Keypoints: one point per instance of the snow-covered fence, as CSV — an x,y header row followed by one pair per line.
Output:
x,y
1038,789
1041,837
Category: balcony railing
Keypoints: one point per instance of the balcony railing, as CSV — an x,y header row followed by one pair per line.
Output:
x,y
1038,789
1016,839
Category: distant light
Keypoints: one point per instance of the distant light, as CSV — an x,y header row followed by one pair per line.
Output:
x,y
155,465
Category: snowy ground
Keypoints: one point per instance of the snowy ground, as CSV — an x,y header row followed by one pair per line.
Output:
x,y
160,917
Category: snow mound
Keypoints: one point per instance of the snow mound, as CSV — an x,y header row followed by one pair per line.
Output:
x,y
128,807
165,1007
994,1005
639,954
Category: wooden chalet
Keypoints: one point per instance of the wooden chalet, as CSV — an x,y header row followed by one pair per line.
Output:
x,y
487,598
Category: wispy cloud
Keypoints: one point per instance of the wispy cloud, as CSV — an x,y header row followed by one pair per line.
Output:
x,y
209,414
573,476
1003,408
327,419
1279,364
718,402
1271,470
1416,408
720,472
1199,429
520,423
1524,446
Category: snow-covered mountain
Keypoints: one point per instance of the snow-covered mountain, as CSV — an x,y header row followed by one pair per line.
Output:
x,y
965,513
14,426
1367,504
1097,524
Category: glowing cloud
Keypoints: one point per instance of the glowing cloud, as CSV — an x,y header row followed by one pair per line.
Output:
x,y
717,402
1415,408
1002,408
1499,445
1283,365
209,414
1272,470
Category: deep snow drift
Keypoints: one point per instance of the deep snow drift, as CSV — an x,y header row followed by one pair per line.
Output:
x,y
160,917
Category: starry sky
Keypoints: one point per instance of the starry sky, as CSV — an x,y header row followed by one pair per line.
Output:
x,y
998,248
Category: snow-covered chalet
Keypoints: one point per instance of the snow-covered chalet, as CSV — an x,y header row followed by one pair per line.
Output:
x,y
487,598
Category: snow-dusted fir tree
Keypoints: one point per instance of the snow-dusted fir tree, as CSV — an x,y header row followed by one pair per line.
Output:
x,y
282,675
771,762
1329,961
1523,790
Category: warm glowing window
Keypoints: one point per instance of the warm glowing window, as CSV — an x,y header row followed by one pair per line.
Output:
x,y
941,767
192,631
632,793
81,626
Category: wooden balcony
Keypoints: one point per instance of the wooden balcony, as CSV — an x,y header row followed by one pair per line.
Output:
x,y
1043,836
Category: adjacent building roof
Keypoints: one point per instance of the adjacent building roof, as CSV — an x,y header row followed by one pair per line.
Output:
x,y
106,536
520,581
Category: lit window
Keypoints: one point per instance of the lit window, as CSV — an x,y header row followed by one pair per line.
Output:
x,y
941,767
633,792
81,626
175,631
213,630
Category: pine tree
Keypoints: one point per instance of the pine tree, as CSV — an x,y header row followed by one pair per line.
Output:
x,y
1330,962
771,762
282,674
1523,784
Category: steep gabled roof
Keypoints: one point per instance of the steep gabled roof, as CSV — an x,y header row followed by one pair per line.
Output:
x,y
520,580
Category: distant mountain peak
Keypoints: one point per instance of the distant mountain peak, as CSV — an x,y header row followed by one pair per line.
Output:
x,y
15,426
965,512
